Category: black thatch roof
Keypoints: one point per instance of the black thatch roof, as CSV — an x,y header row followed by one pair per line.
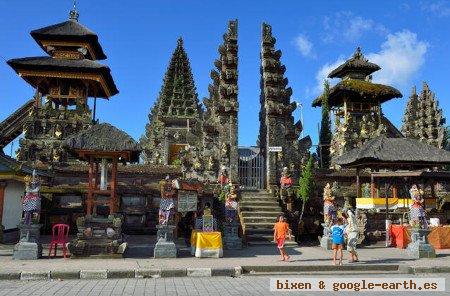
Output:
x,y
104,137
69,30
358,91
394,151
357,63
65,65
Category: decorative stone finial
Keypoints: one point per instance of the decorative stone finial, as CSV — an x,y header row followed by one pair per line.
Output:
x,y
413,91
180,42
73,15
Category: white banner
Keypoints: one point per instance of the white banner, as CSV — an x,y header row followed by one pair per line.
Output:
x,y
286,284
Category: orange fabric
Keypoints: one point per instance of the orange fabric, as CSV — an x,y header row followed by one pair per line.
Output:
x,y
286,181
439,237
400,236
281,230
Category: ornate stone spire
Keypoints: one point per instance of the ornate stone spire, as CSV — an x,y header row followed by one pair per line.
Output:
x,y
430,120
410,118
277,126
176,114
73,14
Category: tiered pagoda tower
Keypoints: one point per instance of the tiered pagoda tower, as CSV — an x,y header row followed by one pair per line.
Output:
x,y
220,119
423,119
64,80
277,127
175,119
356,103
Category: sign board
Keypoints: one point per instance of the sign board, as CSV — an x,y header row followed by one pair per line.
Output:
x,y
187,201
275,148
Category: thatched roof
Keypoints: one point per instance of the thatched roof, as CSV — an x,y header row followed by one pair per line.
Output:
x,y
66,66
394,152
356,64
70,30
104,137
358,91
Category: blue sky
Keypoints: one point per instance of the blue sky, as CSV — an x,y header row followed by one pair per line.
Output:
x,y
409,39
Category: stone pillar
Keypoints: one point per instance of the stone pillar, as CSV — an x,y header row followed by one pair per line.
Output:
x,y
325,240
419,247
231,238
165,246
2,200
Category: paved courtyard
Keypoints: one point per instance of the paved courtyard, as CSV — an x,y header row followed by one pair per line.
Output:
x,y
140,255
216,286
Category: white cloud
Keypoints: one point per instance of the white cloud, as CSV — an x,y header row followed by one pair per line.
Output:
x,y
438,8
304,46
324,71
345,25
401,56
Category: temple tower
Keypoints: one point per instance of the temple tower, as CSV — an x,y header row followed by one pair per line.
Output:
x,y
175,119
277,126
220,119
410,117
356,104
64,81
431,119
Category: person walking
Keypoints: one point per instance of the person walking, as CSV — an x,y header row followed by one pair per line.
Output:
x,y
337,234
281,231
351,231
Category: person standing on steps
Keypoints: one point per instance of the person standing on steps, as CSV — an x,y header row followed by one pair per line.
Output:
x,y
337,233
281,231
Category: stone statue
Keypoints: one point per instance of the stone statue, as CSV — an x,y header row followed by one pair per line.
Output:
x,y
329,207
417,212
231,205
286,186
167,203
32,200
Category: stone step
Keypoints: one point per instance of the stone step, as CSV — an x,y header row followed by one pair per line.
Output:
x,y
260,199
259,208
273,213
261,231
259,203
259,225
259,220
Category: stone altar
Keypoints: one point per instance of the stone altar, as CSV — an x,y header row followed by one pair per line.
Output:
x,y
419,247
165,246
29,246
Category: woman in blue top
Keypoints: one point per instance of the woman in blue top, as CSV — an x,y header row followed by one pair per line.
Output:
x,y
337,234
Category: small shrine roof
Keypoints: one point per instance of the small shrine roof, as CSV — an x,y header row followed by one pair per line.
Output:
x,y
357,63
359,91
68,66
70,30
104,138
398,152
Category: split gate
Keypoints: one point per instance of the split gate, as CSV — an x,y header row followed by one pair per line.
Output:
x,y
251,168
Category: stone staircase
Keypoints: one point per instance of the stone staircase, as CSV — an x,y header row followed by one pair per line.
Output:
x,y
259,211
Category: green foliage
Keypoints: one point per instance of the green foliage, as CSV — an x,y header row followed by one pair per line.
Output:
x,y
323,150
176,162
306,184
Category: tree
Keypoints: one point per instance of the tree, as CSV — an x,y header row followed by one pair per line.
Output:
x,y
306,184
323,150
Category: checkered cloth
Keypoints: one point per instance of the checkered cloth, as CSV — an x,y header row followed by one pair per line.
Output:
x,y
31,202
199,223
166,204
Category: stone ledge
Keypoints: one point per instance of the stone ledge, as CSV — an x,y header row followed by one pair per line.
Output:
x,y
10,276
121,274
147,273
65,274
433,269
32,276
199,272
93,274
173,272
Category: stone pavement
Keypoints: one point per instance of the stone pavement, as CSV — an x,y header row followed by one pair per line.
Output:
x,y
139,256
218,286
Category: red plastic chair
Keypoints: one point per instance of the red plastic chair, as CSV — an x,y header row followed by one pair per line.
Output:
x,y
60,235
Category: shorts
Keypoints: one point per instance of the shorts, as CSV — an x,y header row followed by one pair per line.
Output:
x,y
280,243
337,246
